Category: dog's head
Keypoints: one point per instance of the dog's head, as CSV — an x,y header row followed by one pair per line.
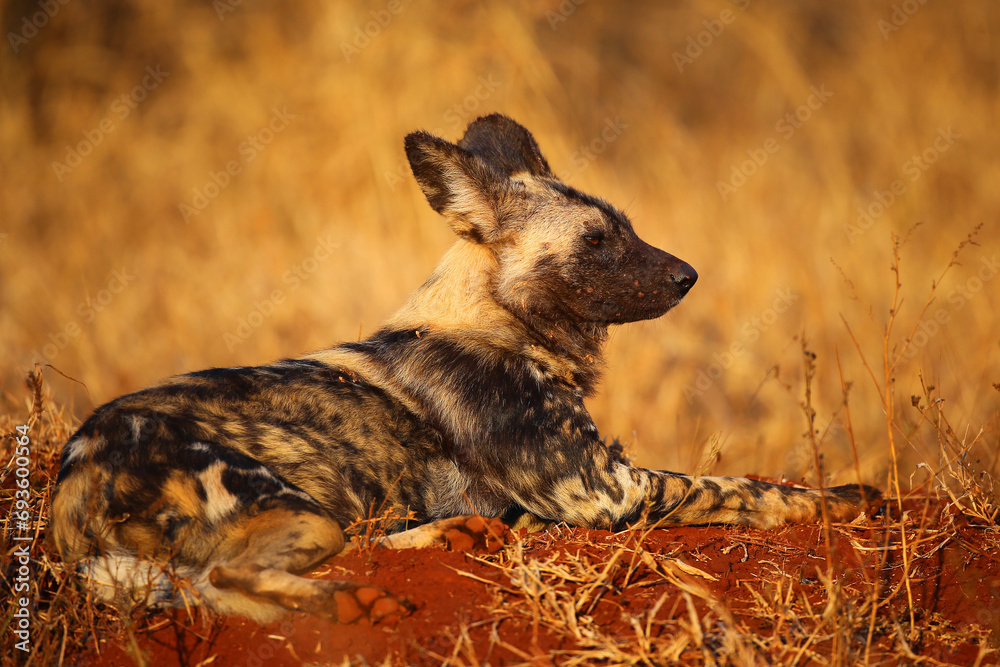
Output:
x,y
562,255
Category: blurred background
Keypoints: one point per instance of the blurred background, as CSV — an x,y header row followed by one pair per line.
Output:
x,y
195,184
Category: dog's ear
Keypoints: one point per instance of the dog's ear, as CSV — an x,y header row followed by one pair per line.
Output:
x,y
474,196
506,145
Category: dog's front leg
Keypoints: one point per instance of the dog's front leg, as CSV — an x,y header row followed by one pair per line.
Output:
x,y
595,491
683,500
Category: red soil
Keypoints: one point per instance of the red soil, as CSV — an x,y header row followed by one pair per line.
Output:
x,y
486,617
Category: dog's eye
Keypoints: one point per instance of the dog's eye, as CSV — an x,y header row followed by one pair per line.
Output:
x,y
594,238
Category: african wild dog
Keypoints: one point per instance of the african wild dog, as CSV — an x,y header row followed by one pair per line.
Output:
x,y
469,401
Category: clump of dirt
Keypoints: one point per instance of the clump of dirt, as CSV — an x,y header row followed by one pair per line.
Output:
x,y
719,594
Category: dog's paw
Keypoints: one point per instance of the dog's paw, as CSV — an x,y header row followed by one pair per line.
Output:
x,y
363,604
474,533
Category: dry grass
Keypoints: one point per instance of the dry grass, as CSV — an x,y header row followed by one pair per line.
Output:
x,y
322,234
789,616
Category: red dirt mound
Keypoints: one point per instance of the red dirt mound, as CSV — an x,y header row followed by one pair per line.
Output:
x,y
710,594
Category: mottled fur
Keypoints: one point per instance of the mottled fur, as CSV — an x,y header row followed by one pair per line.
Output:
x,y
469,401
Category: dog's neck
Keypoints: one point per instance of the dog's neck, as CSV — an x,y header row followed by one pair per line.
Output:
x,y
460,297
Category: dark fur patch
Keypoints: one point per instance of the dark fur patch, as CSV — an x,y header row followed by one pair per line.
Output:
x,y
506,145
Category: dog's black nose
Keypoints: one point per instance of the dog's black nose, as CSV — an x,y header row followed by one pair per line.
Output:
x,y
684,276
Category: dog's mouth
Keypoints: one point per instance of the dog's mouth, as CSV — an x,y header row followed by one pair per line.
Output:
x,y
642,314
636,302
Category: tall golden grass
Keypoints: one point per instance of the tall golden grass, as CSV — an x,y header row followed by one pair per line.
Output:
x,y
283,124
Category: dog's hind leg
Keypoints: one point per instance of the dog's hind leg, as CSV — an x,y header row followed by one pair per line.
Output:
x,y
208,514
280,544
